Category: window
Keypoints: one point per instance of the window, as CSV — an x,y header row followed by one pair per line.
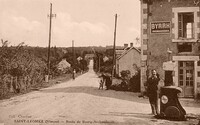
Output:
x,y
189,64
198,63
184,47
185,25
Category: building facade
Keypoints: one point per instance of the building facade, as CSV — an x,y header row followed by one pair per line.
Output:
x,y
170,33
129,60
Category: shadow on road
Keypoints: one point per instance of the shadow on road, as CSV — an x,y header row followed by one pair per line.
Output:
x,y
135,118
147,119
137,115
128,96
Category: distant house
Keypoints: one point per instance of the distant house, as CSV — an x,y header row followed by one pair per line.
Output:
x,y
64,51
62,65
129,60
118,49
105,58
89,56
119,52
79,58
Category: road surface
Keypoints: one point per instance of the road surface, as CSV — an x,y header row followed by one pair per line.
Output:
x,y
79,102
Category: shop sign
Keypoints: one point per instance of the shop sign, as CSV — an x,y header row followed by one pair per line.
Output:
x,y
168,66
160,27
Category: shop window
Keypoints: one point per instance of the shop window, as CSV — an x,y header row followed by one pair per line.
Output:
x,y
184,47
185,25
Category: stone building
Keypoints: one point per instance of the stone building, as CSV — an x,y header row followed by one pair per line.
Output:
x,y
170,33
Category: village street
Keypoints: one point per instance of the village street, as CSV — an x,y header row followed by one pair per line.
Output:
x,y
80,102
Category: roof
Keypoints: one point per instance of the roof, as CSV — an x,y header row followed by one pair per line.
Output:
x,y
63,64
79,58
125,52
105,59
119,52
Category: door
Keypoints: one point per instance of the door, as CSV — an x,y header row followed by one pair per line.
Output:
x,y
186,78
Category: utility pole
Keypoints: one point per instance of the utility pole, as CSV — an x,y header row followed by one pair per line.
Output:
x,y
113,67
73,66
50,17
73,52
99,61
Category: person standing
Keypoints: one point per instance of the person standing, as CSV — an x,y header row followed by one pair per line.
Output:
x,y
73,74
102,81
152,90
108,82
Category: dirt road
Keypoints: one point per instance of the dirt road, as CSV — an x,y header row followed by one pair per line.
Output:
x,y
80,102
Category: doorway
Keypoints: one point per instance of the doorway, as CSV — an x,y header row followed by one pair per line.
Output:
x,y
186,78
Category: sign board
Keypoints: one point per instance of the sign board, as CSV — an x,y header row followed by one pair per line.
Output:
x,y
168,66
189,75
160,27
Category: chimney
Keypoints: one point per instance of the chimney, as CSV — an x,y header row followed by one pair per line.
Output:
x,y
131,44
125,45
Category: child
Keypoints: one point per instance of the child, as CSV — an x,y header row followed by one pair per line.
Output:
x,y
101,84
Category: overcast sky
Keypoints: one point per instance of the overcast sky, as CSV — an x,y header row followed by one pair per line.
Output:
x,y
87,22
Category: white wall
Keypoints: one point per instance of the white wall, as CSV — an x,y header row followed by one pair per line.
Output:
x,y
126,62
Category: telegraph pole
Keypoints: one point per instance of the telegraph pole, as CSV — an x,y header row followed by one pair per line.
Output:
x,y
73,66
50,17
113,67
99,62
73,52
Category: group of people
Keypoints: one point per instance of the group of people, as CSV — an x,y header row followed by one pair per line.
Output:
x,y
105,79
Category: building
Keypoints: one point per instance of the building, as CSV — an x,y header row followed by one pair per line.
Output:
x,y
118,49
63,65
129,60
79,58
170,32
105,59
89,56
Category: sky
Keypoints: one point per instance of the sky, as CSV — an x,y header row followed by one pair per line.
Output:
x,y
87,22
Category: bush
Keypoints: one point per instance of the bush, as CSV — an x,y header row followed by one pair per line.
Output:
x,y
125,73
134,85
128,84
20,69
106,69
